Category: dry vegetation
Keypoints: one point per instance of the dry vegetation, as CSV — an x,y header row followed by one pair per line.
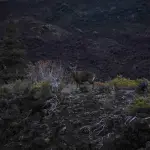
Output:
x,y
36,106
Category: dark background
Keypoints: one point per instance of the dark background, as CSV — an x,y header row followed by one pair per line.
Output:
x,y
108,37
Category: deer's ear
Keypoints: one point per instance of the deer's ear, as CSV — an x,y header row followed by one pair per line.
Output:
x,y
70,66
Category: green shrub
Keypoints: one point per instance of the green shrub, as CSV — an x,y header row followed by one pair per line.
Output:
x,y
41,90
21,87
120,81
139,103
4,91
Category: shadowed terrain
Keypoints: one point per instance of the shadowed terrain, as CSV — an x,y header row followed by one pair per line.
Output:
x,y
107,37
40,107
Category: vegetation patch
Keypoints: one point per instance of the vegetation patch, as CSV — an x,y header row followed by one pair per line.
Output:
x,y
19,87
41,90
139,103
38,90
120,81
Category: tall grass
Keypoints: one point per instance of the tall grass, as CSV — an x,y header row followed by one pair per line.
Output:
x,y
121,81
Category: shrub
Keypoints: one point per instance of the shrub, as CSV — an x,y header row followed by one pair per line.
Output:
x,y
19,87
12,55
47,71
37,90
139,103
41,90
6,91
120,81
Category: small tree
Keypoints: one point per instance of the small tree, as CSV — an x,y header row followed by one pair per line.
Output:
x,y
12,55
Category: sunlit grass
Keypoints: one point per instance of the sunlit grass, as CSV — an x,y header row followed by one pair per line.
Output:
x,y
140,102
120,81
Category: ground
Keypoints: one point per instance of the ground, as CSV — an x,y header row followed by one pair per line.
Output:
x,y
94,119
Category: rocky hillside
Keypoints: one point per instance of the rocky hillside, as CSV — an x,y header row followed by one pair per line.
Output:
x,y
41,111
44,110
98,119
107,37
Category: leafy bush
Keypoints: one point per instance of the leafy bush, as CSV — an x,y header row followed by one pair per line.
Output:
x,y
139,103
120,81
19,87
38,90
41,90
6,91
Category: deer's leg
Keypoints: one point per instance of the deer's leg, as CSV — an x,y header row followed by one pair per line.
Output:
x,y
77,85
93,85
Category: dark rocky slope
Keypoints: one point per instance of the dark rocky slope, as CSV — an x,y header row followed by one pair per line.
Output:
x,y
107,37
92,120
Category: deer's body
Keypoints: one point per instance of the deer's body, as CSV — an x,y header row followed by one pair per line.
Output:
x,y
83,76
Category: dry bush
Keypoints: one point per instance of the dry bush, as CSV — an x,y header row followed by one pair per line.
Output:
x,y
50,71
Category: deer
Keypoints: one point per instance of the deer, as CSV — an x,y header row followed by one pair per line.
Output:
x,y
82,76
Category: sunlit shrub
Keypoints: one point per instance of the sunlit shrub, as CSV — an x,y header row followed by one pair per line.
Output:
x,y
139,103
41,90
120,81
